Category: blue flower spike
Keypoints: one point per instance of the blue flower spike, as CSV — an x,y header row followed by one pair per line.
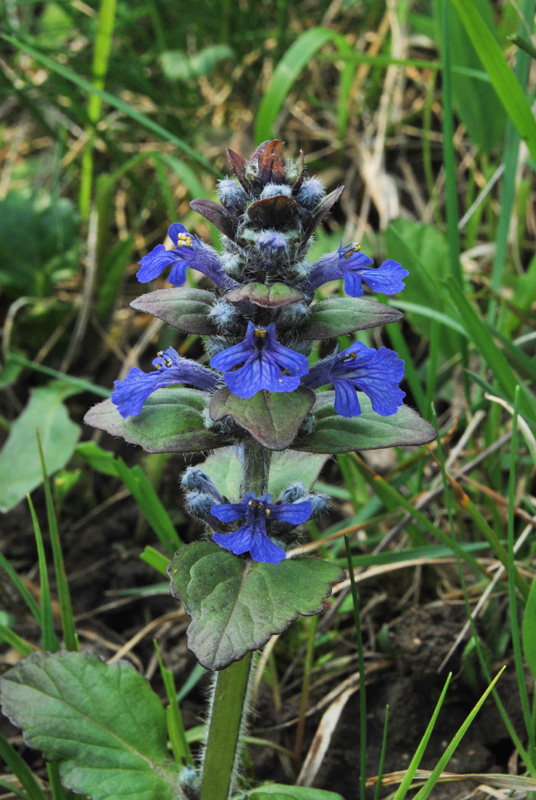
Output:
x,y
170,368
266,364
377,373
188,251
355,267
252,537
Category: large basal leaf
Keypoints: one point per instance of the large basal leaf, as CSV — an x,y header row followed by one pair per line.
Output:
x,y
272,418
186,309
274,296
278,791
171,421
332,318
237,604
20,466
226,469
103,724
369,431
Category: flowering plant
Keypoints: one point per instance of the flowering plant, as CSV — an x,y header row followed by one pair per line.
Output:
x,y
254,404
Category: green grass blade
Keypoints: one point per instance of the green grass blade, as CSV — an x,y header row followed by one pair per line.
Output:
x,y
48,636
19,768
148,123
424,792
80,383
15,641
64,597
497,361
101,54
21,588
362,687
514,623
177,737
416,760
502,78
150,505
286,73
382,755
157,560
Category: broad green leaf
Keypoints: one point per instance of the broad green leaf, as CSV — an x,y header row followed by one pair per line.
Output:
x,y
272,418
424,252
34,230
293,467
171,421
529,629
226,470
103,724
475,100
186,309
502,78
179,66
237,604
273,296
369,431
275,791
332,318
20,468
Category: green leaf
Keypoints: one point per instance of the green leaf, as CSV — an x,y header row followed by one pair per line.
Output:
x,y
272,418
20,468
425,250
103,724
369,431
332,318
171,421
226,470
502,78
186,309
275,791
179,66
529,629
237,604
475,101
274,296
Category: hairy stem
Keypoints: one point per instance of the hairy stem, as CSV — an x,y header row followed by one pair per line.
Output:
x,y
227,717
256,468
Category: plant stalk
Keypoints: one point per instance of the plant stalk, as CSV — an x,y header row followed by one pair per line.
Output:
x,y
226,722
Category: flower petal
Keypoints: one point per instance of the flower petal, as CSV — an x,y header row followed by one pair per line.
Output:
x,y
296,513
346,402
230,512
155,262
387,278
131,393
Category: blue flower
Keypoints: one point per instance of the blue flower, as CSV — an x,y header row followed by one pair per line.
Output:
x,y
377,373
354,266
131,393
188,252
266,364
252,537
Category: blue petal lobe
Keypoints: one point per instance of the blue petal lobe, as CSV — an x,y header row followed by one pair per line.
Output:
x,y
346,402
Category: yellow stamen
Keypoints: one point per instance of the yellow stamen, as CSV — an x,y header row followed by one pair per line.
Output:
x,y
267,511
260,333
167,362
355,249
183,240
